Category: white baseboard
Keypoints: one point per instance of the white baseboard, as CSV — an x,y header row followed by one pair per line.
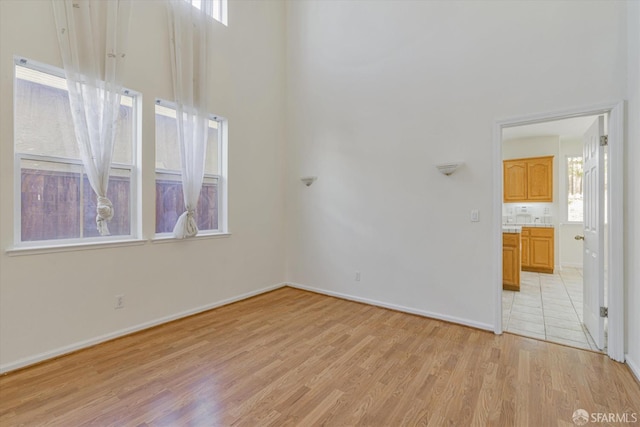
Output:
x,y
635,367
424,313
21,363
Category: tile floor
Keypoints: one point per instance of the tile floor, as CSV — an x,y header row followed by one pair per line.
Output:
x,y
548,307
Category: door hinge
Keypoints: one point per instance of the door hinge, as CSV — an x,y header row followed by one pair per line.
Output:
x,y
604,312
604,140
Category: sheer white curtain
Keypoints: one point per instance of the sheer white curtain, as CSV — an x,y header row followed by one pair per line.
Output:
x,y
188,44
92,35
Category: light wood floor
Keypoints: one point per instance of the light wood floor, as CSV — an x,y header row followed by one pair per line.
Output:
x,y
291,357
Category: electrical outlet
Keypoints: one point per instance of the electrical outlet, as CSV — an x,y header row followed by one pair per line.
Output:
x,y
119,302
357,276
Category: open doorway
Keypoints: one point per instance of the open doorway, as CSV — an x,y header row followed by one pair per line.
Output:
x,y
543,207
561,276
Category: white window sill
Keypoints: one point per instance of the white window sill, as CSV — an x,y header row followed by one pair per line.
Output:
x,y
168,237
70,247
83,246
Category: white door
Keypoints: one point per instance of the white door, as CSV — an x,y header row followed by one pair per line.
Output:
x,y
593,257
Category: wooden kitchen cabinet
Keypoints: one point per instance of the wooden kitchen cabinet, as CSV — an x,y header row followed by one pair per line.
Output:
x,y
511,261
538,249
515,180
528,180
524,243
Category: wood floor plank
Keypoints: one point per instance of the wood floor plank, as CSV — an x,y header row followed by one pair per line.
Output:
x,y
291,357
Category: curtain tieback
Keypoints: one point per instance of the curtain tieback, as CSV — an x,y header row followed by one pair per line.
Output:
x,y
105,213
191,226
187,224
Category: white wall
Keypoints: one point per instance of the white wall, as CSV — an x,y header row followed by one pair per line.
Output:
x,y
56,301
379,92
632,185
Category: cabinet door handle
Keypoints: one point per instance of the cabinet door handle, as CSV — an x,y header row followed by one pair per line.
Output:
x,y
579,237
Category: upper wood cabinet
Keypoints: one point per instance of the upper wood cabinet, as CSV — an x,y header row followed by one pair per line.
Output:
x,y
528,180
515,180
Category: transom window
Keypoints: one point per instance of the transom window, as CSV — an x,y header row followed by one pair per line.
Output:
x,y
217,9
55,203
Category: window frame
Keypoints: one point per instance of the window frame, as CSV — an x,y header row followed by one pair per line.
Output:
x,y
133,173
220,177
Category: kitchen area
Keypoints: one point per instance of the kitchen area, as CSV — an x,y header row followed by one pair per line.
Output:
x,y
541,259
528,239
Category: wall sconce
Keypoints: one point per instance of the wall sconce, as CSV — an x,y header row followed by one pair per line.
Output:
x,y
308,180
448,168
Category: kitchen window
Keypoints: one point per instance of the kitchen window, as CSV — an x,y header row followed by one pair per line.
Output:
x,y
574,189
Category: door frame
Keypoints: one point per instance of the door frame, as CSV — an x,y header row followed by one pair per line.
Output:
x,y
614,207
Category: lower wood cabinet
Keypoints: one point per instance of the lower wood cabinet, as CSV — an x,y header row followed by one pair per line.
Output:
x,y
524,250
511,261
537,249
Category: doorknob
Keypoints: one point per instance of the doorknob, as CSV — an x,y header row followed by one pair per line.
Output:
x,y
579,237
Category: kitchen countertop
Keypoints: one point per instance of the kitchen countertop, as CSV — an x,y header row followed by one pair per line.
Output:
x,y
517,228
524,224
511,229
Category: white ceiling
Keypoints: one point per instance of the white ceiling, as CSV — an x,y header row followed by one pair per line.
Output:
x,y
567,128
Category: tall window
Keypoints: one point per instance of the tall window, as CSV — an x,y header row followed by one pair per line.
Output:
x,y
169,197
217,9
574,189
55,202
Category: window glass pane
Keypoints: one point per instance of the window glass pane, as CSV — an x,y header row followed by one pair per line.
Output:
x,y
211,165
574,189
213,8
125,132
168,147
217,10
207,212
43,122
170,203
50,200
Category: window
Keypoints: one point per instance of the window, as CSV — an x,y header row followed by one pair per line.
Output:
x,y
217,9
169,197
53,197
574,189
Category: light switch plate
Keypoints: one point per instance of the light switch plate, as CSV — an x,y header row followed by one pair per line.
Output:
x,y
475,215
